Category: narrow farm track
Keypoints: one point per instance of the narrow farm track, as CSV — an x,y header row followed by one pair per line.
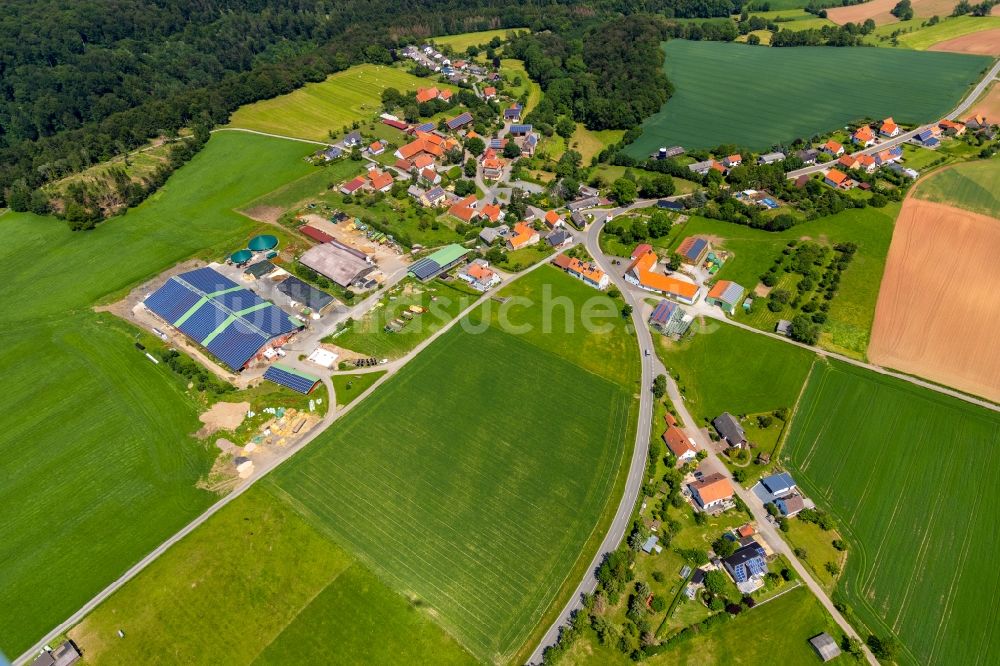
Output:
x,y
273,136
331,417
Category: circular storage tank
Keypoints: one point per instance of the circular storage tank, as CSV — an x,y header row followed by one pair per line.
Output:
x,y
241,257
263,242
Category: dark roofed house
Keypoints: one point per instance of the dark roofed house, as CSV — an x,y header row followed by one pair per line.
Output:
x,y
808,156
747,566
783,327
699,577
790,506
459,121
730,430
583,204
66,654
558,237
332,153
353,139
260,269
825,646
520,130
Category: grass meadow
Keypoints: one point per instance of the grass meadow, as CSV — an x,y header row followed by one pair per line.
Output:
x,y
974,186
513,69
909,474
464,40
723,368
257,573
350,386
100,466
756,97
463,487
950,28
316,109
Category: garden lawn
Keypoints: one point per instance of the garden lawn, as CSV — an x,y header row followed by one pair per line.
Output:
x,y
724,368
367,336
804,92
316,109
818,545
350,386
239,589
476,511
909,475
973,186
99,464
852,311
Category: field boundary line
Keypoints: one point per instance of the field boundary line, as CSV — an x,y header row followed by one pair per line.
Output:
x,y
269,134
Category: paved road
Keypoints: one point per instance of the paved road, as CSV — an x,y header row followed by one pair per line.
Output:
x,y
331,416
959,110
651,366
637,468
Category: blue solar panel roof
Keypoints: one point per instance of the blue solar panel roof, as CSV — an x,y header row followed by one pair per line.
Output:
x,y
239,300
663,311
271,320
425,268
205,319
207,280
294,381
696,247
459,120
172,300
237,344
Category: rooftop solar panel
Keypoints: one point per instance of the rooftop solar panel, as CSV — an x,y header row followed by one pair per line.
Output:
x,y
203,321
296,382
207,280
240,299
237,344
425,268
172,300
272,320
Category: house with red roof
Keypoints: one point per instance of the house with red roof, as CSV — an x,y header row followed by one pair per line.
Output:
x,y
833,148
863,136
680,444
889,128
426,94
430,176
465,209
951,128
489,92
868,163
445,95
839,179
848,162
491,212
380,180
553,220
354,185
522,235
492,165
376,148
641,272
733,161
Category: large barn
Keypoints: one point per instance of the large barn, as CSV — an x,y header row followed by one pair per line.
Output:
x,y
230,321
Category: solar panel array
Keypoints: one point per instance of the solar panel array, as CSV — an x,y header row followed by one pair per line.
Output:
x,y
663,311
425,268
294,381
459,120
231,321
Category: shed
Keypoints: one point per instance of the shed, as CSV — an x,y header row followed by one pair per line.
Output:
x,y
305,293
825,646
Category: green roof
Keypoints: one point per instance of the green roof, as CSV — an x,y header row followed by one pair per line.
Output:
x,y
298,373
449,253
263,242
241,256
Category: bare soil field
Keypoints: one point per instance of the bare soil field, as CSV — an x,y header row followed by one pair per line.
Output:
x,y
937,311
989,104
986,42
878,10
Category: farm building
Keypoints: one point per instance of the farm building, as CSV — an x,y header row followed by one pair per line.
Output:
x,y
340,263
259,270
489,235
779,484
711,491
306,294
825,646
730,430
783,327
640,273
228,320
587,272
433,265
680,444
669,319
727,295
584,204
693,250
748,567
65,655
459,121
291,378
701,168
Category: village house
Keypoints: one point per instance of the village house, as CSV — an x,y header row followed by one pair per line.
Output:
x,y
479,275
380,180
730,430
512,114
489,92
838,179
771,158
558,237
808,156
553,220
887,156
832,148
680,444
522,235
492,165
732,161
863,136
376,148
429,177
354,185
977,122
951,128
585,271
641,273
490,235
889,128
711,492
353,139
491,213
465,209
693,250
928,138
747,566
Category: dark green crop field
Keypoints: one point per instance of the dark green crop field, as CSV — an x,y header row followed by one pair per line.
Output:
x,y
911,477
756,97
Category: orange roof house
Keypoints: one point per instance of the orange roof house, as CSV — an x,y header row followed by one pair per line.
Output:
x,y
718,167
489,92
423,144
889,128
465,209
838,179
552,219
445,94
952,128
868,163
423,160
403,165
679,444
492,212
426,94
522,235
745,531
381,181
582,270
640,273
833,148
733,160
377,148
863,136
848,162
711,491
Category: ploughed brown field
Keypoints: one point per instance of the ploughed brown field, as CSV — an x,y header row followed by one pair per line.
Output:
x,y
879,11
938,308
985,42
989,104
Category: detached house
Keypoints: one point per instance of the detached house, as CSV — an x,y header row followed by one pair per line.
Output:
x,y
833,148
479,275
730,430
951,128
680,444
838,179
584,271
711,492
380,180
522,235
748,567
889,128
863,136
733,161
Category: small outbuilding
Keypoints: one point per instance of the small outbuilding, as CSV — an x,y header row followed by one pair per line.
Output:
x,y
825,646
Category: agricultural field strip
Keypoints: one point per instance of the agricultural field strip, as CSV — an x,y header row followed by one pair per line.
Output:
x,y
135,569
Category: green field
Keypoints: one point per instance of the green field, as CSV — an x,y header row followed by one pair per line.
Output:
x,y
973,186
315,109
724,368
260,573
100,465
590,142
476,507
463,41
350,386
512,69
950,28
722,96
909,474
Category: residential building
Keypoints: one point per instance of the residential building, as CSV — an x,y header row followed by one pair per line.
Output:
x,y
779,484
808,156
492,213
701,168
641,250
577,219
951,128
730,430
353,139
927,138
903,171
864,136
712,491
492,165
354,185
553,220
479,275
790,506
558,237
584,204
513,113
489,92
380,180
669,319
459,121
747,566
838,179
640,273
376,148
771,158
465,209
868,163
429,177
727,295
521,236
848,162
889,128
332,153
977,122
732,161
887,156
435,196
833,148
680,444
585,271
66,654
